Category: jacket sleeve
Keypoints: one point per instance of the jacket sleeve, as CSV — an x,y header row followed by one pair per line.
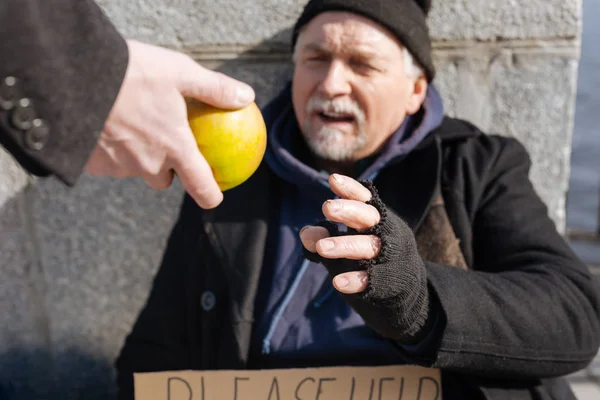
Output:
x,y
530,308
62,66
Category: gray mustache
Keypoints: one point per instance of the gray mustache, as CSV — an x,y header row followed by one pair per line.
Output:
x,y
345,106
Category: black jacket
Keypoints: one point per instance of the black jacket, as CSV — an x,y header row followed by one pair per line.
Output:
x,y
526,312
61,66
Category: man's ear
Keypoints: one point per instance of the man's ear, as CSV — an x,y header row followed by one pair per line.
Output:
x,y
417,97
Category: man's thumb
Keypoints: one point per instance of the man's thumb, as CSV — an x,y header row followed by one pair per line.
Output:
x,y
214,88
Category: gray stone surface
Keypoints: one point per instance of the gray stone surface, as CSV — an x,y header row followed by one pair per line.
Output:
x,y
189,23
541,114
266,79
12,177
183,23
24,330
508,93
497,20
102,242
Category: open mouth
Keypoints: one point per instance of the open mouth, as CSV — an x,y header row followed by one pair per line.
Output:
x,y
336,117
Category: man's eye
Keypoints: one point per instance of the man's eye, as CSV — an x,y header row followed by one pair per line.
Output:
x,y
363,66
317,58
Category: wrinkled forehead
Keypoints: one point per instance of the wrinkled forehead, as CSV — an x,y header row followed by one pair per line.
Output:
x,y
340,31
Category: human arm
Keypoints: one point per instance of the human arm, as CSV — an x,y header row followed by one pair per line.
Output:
x,y
529,308
78,96
63,64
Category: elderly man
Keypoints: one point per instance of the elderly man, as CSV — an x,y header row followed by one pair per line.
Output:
x,y
377,232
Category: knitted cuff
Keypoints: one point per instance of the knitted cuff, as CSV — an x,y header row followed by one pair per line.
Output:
x,y
396,300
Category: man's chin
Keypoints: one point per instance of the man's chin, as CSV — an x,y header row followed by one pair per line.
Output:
x,y
332,145
344,129
333,152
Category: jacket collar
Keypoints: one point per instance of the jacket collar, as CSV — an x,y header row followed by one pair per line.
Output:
x,y
451,129
417,177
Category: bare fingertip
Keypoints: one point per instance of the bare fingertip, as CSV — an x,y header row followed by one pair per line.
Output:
x,y
340,282
245,94
210,203
325,245
315,231
351,282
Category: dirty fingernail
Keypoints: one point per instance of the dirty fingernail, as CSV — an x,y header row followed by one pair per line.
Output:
x,y
333,205
338,179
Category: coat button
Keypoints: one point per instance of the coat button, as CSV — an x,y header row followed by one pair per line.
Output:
x,y
23,115
36,137
8,93
208,300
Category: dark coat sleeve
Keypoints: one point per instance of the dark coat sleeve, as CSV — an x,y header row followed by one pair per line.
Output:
x,y
62,66
530,308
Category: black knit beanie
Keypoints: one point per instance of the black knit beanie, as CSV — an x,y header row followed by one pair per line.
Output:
x,y
404,18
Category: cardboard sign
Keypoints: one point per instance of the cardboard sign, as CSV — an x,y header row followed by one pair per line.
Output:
x,y
340,383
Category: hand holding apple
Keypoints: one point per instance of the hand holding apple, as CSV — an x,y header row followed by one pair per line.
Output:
x,y
147,133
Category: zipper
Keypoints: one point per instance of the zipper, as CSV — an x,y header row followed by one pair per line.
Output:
x,y
266,345
319,302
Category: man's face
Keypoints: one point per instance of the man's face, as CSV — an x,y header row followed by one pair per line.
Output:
x,y
350,90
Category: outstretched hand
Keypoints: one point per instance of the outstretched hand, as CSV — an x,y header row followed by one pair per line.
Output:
x,y
351,210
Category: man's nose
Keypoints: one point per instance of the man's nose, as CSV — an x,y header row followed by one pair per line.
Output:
x,y
336,81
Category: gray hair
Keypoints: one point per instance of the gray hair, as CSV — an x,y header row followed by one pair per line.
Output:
x,y
411,68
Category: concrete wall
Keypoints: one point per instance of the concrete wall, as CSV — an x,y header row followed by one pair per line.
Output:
x,y
77,263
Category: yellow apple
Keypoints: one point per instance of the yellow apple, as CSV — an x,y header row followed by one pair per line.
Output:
x,y
233,142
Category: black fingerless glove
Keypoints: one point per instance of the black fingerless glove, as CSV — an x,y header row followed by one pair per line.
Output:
x,y
396,300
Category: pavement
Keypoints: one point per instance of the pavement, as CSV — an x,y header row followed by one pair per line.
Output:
x,y
586,383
